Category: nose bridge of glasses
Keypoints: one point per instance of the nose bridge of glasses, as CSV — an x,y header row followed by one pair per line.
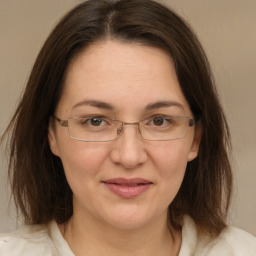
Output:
x,y
119,130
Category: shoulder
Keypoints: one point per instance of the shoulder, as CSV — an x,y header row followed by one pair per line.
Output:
x,y
237,241
232,242
29,240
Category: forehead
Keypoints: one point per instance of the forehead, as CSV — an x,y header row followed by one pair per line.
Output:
x,y
127,75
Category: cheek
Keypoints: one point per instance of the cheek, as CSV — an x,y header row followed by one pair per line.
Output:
x,y
171,158
170,161
81,161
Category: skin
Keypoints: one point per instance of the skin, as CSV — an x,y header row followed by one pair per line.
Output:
x,y
129,76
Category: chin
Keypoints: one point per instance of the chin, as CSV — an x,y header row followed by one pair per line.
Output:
x,y
127,224
129,218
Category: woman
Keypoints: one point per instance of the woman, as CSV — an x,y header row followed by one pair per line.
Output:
x,y
119,145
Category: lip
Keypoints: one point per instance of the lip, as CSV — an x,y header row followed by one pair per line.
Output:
x,y
127,188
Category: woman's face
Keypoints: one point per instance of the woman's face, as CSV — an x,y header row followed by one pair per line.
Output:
x,y
128,82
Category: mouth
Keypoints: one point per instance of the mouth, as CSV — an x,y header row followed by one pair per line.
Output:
x,y
128,188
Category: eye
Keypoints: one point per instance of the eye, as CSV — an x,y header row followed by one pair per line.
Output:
x,y
158,121
161,122
96,121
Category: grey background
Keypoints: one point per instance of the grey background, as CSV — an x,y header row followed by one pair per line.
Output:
x,y
227,32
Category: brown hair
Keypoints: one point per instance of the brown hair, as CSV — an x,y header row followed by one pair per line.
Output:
x,y
39,186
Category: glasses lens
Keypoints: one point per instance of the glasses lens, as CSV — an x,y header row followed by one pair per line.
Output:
x,y
164,128
93,128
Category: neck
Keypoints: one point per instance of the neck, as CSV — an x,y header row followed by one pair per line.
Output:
x,y
87,236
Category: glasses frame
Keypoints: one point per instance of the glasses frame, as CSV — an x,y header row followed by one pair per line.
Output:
x,y
64,123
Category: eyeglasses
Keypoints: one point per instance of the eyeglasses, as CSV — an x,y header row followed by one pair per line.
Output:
x,y
101,129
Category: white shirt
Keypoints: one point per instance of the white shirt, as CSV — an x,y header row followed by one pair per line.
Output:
x,y
46,240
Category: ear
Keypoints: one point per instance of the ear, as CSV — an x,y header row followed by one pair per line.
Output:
x,y
196,142
52,138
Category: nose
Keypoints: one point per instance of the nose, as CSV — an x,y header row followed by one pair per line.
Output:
x,y
128,150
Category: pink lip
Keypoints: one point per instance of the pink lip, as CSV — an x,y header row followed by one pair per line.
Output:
x,y
128,188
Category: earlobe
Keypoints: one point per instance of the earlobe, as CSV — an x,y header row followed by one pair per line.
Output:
x,y
52,139
196,143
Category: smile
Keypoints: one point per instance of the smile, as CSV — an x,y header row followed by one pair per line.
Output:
x,y
127,188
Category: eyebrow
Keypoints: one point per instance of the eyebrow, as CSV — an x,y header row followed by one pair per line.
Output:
x,y
163,104
108,106
94,103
